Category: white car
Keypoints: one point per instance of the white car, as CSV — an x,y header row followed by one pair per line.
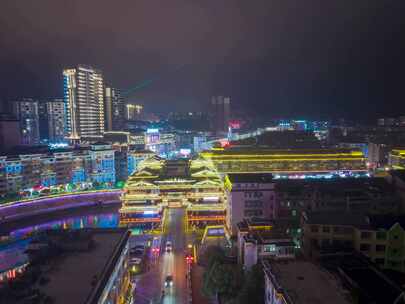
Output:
x,y
169,246
169,281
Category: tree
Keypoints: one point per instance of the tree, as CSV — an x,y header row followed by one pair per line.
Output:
x,y
211,255
253,288
221,279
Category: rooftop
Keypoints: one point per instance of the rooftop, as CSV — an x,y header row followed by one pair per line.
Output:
x,y
337,218
348,187
72,277
255,223
373,286
266,151
386,221
156,170
398,173
250,177
304,139
272,236
304,282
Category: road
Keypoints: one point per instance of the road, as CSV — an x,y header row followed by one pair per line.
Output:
x,y
150,285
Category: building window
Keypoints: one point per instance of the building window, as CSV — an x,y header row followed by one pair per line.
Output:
x,y
365,235
249,213
394,251
325,243
314,229
294,212
347,230
365,247
253,204
326,229
270,248
380,248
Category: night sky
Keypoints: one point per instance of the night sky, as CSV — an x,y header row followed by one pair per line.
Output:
x,y
299,58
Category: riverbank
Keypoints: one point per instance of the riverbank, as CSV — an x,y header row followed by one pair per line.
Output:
x,y
21,209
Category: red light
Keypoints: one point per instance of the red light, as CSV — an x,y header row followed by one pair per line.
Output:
x,y
189,259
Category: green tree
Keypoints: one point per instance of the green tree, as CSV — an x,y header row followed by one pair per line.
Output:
x,y
211,255
221,281
252,291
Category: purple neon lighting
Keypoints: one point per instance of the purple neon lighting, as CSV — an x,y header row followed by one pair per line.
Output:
x,y
44,200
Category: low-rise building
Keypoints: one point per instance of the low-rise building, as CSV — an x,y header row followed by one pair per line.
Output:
x,y
94,267
365,282
368,195
40,167
249,195
379,237
397,179
301,282
260,239
396,158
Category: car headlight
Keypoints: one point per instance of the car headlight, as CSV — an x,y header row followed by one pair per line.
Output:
x,y
171,283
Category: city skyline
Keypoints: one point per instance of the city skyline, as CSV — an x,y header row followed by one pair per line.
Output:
x,y
202,152
313,59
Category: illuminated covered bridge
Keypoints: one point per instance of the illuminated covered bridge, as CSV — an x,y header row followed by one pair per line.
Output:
x,y
159,183
287,162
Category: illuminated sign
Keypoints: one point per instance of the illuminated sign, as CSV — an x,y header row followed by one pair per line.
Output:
x,y
152,130
211,199
58,145
215,231
185,152
234,124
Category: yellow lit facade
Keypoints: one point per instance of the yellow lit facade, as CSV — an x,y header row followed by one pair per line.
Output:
x,y
159,184
293,161
396,159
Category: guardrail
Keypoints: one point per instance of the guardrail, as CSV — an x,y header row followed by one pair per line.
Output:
x,y
24,208
189,285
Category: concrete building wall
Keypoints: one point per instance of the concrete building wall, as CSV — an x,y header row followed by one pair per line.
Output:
x,y
249,200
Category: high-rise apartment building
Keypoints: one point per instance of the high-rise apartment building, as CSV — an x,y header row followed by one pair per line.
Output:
x,y
220,106
27,111
56,119
114,110
134,111
43,121
9,131
84,102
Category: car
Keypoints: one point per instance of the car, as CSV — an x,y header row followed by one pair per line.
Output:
x,y
137,251
169,281
169,246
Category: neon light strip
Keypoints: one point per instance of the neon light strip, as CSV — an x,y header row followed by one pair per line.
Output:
x,y
291,159
54,197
